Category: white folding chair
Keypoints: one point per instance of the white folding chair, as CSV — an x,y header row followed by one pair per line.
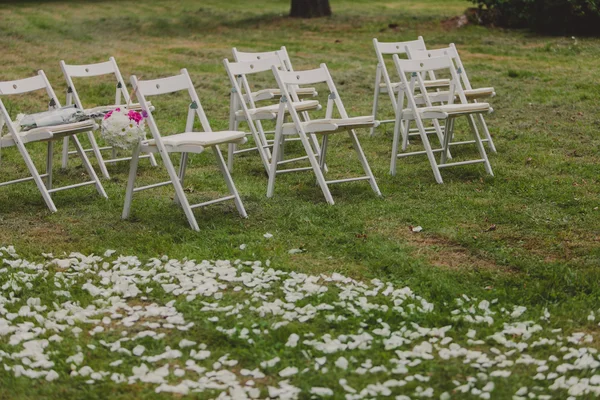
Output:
x,y
288,81
188,142
47,134
472,95
383,82
246,110
411,74
93,70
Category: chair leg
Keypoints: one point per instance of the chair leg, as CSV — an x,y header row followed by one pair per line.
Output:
x,y
36,177
405,131
263,151
315,166
323,153
364,162
231,147
447,139
376,97
65,152
49,159
230,185
232,127
479,143
88,166
182,168
133,166
277,147
98,155
486,132
429,152
113,155
179,192
398,126
263,138
152,160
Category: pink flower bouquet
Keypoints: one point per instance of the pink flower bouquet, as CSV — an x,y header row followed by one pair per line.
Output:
x,y
123,128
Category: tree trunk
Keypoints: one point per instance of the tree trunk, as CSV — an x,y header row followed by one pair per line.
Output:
x,y
310,8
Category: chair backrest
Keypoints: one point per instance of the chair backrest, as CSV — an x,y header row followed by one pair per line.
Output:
x,y
391,48
411,75
240,56
450,51
22,86
289,81
109,67
172,84
238,75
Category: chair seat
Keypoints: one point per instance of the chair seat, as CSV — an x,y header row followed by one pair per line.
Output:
x,y
198,140
428,84
267,94
448,110
480,93
46,133
270,112
332,125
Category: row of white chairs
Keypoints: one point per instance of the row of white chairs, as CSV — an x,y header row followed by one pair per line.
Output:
x,y
294,92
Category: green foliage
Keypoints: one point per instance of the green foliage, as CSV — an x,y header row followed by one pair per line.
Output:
x,y
547,16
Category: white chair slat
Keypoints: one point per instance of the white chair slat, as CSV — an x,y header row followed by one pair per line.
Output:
x,y
160,86
254,66
20,86
307,77
390,48
88,70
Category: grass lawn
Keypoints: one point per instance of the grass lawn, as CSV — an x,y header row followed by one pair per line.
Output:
x,y
543,201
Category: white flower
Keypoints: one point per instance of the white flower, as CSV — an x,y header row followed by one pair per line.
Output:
x,y
268,235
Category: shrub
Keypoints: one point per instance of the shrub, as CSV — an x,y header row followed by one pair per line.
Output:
x,y
557,17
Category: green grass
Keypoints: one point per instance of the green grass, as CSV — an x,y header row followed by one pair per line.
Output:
x,y
545,251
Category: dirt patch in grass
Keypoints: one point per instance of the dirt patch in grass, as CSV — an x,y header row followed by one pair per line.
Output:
x,y
442,252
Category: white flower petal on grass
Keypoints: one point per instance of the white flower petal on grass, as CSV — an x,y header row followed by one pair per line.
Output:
x,y
183,343
52,375
243,246
109,253
268,235
289,371
342,363
270,363
321,391
138,350
292,340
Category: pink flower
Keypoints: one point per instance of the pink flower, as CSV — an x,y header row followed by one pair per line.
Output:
x,y
108,114
135,116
